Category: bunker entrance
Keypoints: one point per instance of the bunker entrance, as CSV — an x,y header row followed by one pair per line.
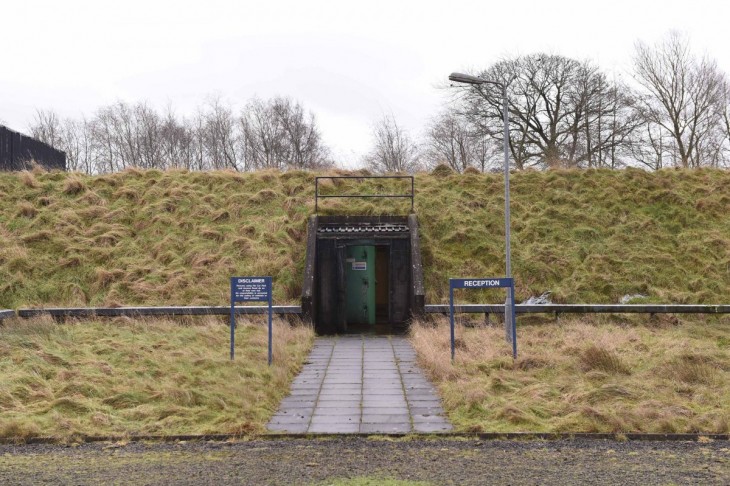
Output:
x,y
362,274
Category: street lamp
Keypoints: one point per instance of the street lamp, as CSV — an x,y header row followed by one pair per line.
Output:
x,y
468,79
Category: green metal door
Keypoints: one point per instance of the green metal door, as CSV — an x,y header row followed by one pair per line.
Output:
x,y
360,284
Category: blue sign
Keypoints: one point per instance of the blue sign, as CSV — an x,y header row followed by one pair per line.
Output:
x,y
480,283
250,289
487,283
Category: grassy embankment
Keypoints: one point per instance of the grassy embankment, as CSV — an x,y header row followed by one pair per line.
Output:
x,y
584,374
150,237
159,377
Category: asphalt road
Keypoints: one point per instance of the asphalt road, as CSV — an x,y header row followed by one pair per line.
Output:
x,y
314,461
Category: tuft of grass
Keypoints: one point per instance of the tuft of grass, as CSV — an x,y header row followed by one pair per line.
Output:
x,y
595,358
442,170
26,210
28,179
73,185
591,374
694,369
130,376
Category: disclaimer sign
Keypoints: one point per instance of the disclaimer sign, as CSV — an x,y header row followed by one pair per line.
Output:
x,y
249,289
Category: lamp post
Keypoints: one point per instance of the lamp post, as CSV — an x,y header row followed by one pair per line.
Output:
x,y
468,79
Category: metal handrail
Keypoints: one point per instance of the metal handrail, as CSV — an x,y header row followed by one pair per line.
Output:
x,y
318,196
430,309
583,309
157,311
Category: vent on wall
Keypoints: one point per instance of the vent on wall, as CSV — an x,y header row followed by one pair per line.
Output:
x,y
363,228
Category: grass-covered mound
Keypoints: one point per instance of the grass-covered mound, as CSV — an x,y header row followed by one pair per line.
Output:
x,y
589,374
148,237
588,236
151,237
152,376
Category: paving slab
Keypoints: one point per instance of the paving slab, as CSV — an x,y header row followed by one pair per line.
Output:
x,y
426,428
331,412
341,388
291,420
385,428
288,428
386,418
361,384
336,419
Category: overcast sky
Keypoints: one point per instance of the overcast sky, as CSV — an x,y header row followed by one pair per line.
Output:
x,y
348,62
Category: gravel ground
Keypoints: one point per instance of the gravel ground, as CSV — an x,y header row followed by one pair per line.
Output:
x,y
306,461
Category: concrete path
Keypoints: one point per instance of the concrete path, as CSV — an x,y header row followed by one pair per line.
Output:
x,y
361,384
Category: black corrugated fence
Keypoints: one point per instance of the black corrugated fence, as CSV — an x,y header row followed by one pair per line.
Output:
x,y
17,151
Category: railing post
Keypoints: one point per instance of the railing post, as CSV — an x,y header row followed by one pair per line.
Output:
x,y
413,192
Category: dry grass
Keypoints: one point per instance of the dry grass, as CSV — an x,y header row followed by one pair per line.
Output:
x,y
124,376
148,237
175,237
592,374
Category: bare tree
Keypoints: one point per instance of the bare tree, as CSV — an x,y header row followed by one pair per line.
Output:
x,y
77,143
68,135
149,141
221,138
303,141
105,142
559,111
121,117
451,141
682,96
726,124
264,136
650,146
393,148
196,127
276,133
46,127
176,141
606,119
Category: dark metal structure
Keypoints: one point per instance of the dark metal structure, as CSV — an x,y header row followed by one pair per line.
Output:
x,y
17,151
362,273
318,196
333,283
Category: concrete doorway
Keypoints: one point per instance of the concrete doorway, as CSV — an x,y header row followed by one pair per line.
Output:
x,y
363,274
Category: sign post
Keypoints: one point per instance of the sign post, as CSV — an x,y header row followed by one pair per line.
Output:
x,y
487,283
249,289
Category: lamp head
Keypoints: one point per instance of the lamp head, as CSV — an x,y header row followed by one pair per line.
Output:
x,y
465,78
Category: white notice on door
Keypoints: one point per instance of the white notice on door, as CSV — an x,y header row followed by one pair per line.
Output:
x,y
359,265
